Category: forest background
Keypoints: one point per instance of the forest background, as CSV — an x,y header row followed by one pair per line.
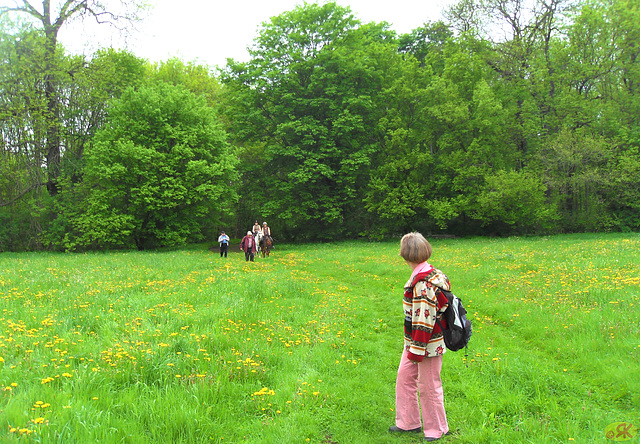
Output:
x,y
509,117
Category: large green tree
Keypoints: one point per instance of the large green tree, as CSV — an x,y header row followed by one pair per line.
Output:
x,y
468,119
155,173
307,103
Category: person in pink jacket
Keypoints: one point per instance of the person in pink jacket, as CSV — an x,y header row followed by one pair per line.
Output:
x,y
248,245
421,362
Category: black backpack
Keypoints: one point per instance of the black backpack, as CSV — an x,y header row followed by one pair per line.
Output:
x,y
458,331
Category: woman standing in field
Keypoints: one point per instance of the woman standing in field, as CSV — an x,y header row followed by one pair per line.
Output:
x,y
421,361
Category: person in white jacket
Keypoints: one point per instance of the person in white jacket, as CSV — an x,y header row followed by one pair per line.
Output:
x,y
223,240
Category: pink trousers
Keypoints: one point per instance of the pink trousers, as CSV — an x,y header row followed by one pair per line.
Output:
x,y
424,378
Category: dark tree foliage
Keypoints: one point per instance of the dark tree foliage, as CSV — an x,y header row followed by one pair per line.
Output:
x,y
511,117
307,104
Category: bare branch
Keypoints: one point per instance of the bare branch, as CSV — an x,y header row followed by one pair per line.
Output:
x,y
71,9
21,194
26,8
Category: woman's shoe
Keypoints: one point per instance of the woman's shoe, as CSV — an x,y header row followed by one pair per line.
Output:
x,y
395,429
429,439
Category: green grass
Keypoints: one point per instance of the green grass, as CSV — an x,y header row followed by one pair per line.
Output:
x,y
185,347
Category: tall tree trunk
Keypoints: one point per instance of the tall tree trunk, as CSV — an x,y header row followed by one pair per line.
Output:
x,y
64,10
52,145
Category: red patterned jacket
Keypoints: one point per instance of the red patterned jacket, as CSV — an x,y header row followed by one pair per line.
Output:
x,y
422,302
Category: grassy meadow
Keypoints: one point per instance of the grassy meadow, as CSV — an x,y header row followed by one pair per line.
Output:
x,y
186,347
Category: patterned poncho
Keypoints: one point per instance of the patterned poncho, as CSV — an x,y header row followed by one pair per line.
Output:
x,y
422,302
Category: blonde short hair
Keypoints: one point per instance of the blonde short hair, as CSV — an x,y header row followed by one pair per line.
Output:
x,y
415,248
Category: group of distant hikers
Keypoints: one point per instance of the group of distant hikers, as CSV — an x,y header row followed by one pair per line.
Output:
x,y
250,243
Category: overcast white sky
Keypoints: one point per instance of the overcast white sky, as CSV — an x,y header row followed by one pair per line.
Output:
x,y
210,31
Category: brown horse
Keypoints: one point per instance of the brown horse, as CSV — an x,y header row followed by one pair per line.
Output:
x,y
265,246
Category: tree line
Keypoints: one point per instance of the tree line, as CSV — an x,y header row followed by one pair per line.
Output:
x,y
509,117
